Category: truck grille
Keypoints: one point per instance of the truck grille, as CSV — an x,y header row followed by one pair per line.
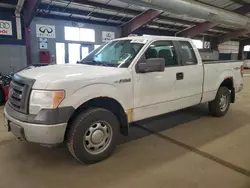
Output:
x,y
19,93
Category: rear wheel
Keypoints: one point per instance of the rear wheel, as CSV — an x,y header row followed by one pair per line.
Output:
x,y
92,136
220,105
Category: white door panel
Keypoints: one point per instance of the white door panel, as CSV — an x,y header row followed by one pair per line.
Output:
x,y
191,83
176,88
156,87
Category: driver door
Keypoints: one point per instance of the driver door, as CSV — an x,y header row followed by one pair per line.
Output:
x,y
155,92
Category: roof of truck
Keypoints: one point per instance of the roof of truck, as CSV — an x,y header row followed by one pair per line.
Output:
x,y
154,37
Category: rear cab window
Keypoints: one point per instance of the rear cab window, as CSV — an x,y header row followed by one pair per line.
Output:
x,y
187,53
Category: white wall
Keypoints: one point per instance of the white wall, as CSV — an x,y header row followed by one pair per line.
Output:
x,y
230,47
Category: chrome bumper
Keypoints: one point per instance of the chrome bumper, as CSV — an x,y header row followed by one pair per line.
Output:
x,y
37,133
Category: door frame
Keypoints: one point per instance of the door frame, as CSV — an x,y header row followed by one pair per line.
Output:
x,y
89,46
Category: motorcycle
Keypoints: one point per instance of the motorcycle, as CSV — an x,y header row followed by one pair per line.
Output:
x,y
4,87
6,79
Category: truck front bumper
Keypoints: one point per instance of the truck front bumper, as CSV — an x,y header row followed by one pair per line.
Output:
x,y
38,133
42,128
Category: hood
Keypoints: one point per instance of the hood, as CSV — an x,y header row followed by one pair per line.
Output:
x,y
66,72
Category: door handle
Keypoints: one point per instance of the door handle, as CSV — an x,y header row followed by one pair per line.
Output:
x,y
179,76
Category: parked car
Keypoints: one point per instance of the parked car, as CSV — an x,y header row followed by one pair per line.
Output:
x,y
246,62
89,104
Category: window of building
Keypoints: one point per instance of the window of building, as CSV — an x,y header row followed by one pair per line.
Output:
x,y
74,53
60,53
247,48
87,35
79,34
96,46
198,43
72,33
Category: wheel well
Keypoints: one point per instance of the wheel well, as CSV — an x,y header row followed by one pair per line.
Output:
x,y
106,103
228,83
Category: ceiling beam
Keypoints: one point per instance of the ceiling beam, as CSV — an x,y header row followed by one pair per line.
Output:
x,y
182,24
29,11
86,13
205,26
232,35
128,11
238,33
241,2
196,30
139,21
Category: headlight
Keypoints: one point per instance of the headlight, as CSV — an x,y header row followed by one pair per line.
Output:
x,y
45,100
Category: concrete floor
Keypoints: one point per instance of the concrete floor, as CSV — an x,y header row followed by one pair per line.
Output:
x,y
182,149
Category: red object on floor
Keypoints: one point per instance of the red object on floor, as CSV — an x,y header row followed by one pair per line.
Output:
x,y
6,92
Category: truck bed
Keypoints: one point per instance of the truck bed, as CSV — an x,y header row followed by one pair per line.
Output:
x,y
214,74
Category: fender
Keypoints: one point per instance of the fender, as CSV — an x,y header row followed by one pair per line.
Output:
x,y
97,90
227,74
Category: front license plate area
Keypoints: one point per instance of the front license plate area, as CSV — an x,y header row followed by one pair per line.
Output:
x,y
16,130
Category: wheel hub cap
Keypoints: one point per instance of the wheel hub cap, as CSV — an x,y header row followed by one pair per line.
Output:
x,y
223,103
98,137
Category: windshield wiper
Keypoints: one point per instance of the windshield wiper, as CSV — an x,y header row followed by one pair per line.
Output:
x,y
99,63
88,62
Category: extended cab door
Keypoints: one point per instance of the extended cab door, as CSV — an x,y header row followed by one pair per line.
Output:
x,y
191,86
179,86
155,90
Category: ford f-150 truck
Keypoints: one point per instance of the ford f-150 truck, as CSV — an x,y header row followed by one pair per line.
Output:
x,y
87,105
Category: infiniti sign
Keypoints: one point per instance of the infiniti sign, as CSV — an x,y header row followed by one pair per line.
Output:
x,y
5,27
45,31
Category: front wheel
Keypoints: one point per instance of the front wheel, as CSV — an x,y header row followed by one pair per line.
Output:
x,y
220,105
93,134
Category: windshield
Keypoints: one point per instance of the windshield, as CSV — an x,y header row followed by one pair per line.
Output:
x,y
114,54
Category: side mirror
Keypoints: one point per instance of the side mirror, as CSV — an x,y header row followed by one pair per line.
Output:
x,y
151,65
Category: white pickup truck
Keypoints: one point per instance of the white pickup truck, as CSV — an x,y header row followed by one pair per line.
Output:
x,y
88,104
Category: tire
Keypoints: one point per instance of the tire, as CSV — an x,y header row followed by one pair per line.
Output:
x,y
87,129
216,107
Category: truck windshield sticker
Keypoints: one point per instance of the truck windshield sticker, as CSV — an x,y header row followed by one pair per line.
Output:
x,y
141,41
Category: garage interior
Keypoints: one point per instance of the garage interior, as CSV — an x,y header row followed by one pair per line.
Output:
x,y
187,148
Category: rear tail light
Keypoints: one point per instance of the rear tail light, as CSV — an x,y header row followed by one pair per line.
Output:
x,y
242,70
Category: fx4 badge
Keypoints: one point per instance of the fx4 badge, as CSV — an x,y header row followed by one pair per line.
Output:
x,y
123,81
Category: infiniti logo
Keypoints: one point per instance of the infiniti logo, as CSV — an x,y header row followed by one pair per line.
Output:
x,y
44,29
4,25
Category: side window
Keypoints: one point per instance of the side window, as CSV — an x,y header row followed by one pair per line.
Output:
x,y
187,53
163,49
